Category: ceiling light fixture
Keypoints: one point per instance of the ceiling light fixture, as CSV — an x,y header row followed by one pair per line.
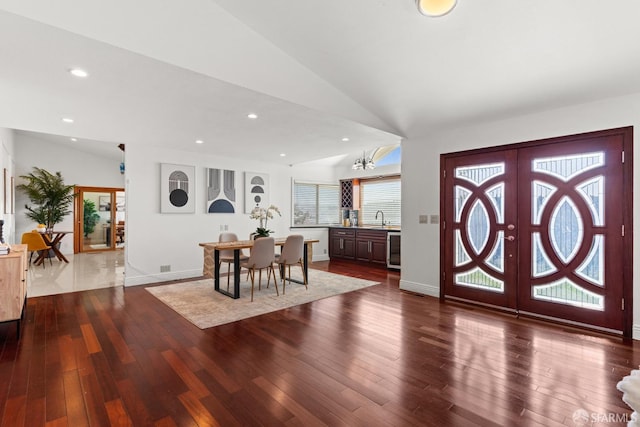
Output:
x,y
78,72
67,120
199,141
435,8
74,139
252,116
345,139
363,163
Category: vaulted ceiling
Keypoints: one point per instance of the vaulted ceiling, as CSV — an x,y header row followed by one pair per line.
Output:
x,y
375,71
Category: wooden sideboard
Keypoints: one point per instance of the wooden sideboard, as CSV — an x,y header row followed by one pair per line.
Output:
x,y
13,285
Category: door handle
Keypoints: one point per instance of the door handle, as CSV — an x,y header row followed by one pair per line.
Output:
x,y
510,238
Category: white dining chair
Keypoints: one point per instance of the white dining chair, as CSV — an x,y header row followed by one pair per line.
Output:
x,y
226,255
292,254
261,257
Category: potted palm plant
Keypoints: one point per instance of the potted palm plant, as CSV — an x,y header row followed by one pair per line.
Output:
x,y
91,217
50,197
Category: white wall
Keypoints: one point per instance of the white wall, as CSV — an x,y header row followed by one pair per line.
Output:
x,y
421,183
7,163
77,168
155,239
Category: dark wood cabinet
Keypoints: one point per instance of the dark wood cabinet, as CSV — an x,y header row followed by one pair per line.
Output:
x,y
342,243
371,246
366,245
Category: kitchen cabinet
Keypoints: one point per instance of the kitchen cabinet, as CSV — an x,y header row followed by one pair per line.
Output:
x,y
342,243
371,246
13,284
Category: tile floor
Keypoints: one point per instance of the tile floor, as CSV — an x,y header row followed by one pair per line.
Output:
x,y
89,270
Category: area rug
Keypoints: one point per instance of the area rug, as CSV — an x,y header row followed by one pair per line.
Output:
x,y
201,305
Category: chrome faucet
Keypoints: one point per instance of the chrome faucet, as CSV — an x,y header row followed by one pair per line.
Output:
x,y
380,212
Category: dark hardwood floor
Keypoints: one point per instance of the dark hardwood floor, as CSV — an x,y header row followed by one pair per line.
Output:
x,y
374,357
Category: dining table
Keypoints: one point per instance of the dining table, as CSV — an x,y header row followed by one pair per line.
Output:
x,y
53,238
212,261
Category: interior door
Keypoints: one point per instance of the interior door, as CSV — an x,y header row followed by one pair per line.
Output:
x,y
99,211
540,229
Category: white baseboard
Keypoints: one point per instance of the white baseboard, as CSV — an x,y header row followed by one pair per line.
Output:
x,y
635,332
420,288
324,257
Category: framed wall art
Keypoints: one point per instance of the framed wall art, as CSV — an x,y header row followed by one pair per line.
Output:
x,y
256,191
177,187
221,191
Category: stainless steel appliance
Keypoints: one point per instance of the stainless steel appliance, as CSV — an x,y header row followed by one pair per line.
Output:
x,y
393,249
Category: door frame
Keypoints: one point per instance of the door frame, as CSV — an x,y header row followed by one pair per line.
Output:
x,y
79,214
627,209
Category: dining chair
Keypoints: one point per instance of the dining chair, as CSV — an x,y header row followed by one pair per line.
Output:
x,y
292,253
120,231
262,256
226,255
35,243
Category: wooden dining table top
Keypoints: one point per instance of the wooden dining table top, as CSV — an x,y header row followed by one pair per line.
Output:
x,y
244,244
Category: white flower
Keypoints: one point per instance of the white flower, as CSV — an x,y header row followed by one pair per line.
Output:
x,y
264,214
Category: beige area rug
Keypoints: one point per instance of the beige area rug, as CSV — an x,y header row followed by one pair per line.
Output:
x,y
200,304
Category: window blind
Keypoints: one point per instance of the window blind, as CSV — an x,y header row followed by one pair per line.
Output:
x,y
380,194
316,204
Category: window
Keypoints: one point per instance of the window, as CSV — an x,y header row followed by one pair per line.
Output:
x,y
316,204
380,194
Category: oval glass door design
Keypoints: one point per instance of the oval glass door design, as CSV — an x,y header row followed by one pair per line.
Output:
x,y
480,235
539,228
570,201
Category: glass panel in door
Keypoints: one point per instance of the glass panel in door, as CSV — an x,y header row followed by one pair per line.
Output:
x,y
571,222
480,229
96,226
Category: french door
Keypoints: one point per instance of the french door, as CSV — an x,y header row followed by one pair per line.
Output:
x,y
99,214
539,228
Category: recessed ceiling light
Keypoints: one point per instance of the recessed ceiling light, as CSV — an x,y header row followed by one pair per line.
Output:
x,y
283,155
67,120
79,72
345,139
74,139
199,141
252,116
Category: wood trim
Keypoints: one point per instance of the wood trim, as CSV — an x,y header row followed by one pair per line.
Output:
x,y
79,215
627,136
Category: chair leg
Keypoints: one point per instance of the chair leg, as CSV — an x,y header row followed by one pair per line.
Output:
x,y
252,288
275,282
228,274
283,269
304,276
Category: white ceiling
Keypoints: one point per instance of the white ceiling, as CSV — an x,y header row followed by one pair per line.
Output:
x,y
168,73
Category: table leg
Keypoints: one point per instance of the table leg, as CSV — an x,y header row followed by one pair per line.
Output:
x,y
54,248
216,270
236,274
305,266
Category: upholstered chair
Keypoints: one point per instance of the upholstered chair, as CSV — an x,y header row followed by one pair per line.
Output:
x,y
226,255
261,257
35,243
292,254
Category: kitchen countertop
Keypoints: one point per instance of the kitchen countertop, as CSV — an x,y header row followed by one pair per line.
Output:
x,y
369,227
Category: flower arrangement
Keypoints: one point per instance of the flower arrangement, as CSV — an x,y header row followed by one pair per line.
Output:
x,y
264,215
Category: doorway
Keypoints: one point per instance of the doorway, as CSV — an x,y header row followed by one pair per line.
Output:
x,y
100,219
543,228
